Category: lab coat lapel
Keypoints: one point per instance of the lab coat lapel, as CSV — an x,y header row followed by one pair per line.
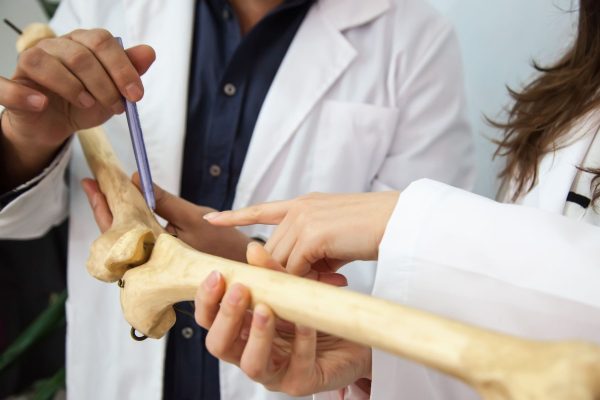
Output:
x,y
167,26
316,59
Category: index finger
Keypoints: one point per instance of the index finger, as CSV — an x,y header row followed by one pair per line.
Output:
x,y
114,60
267,214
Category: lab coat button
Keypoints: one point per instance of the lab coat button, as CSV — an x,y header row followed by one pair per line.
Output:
x,y
229,89
215,170
187,332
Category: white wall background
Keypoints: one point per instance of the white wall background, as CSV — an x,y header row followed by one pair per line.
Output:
x,y
499,39
21,13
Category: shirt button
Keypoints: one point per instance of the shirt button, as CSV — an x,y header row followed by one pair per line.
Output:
x,y
215,170
187,332
229,89
226,14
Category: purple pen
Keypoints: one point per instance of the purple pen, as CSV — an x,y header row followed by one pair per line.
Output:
x,y
139,149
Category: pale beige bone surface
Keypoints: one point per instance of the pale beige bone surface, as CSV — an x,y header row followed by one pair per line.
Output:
x,y
498,366
129,241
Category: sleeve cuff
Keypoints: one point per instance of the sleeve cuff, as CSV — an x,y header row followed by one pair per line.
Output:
x,y
34,207
8,197
436,224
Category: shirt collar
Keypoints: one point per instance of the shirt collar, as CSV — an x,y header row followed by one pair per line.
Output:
x,y
220,5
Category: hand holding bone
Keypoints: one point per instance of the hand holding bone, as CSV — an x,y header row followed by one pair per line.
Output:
x,y
184,221
62,85
158,270
282,356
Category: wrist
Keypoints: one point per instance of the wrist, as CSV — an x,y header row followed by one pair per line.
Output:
x,y
24,144
20,159
387,206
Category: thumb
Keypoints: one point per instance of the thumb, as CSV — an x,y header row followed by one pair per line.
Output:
x,y
141,57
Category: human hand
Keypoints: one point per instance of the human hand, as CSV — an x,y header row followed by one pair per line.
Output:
x,y
65,84
283,357
185,221
319,232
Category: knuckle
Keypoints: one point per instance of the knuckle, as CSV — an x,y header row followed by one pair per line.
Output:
x,y
215,346
295,389
108,97
77,32
310,232
274,387
32,58
303,220
255,212
227,310
45,43
123,73
100,39
251,369
11,92
200,318
79,60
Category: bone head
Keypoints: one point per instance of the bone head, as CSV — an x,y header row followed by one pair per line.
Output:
x,y
148,295
118,250
172,275
128,243
32,34
523,369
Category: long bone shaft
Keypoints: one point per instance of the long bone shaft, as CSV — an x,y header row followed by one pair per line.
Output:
x,y
496,365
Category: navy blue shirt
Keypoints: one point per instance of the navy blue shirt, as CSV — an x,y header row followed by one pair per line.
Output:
x,y
229,80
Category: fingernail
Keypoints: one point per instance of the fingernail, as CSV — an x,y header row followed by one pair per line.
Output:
x,y
118,107
36,101
211,216
234,296
303,330
245,334
212,280
261,317
95,200
86,99
134,92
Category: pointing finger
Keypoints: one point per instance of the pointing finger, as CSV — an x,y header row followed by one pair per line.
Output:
x,y
267,213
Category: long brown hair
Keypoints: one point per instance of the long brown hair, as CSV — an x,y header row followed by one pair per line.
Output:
x,y
545,108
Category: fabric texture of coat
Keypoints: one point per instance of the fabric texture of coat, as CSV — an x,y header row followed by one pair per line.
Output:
x,y
530,269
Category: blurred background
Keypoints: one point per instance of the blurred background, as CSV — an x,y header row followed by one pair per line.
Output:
x,y
499,39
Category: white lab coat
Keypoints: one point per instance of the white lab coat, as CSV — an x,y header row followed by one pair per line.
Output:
x,y
368,97
521,269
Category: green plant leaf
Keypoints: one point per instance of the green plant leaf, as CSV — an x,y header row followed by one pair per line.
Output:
x,y
50,319
47,388
49,6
